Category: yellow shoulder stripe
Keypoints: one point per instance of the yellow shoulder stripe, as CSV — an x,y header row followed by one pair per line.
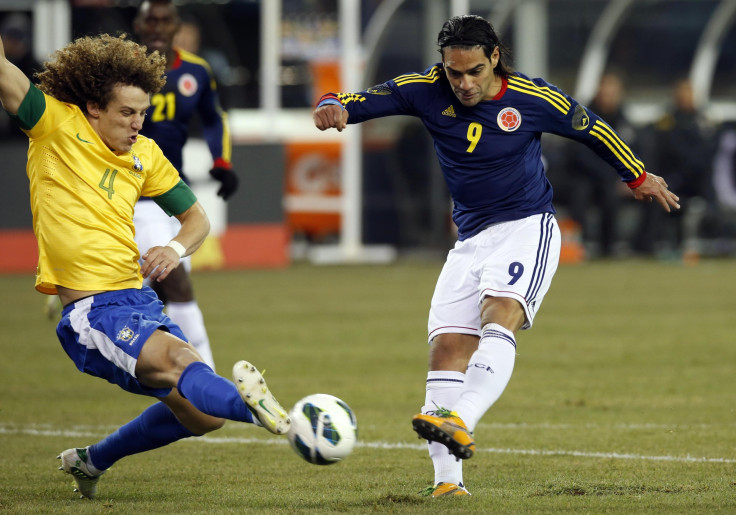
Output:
x,y
227,149
548,91
553,97
409,78
624,154
192,58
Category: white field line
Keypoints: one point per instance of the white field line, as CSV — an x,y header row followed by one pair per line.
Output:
x,y
100,431
625,427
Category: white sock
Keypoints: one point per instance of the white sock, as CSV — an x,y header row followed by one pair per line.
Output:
x,y
489,371
188,317
443,389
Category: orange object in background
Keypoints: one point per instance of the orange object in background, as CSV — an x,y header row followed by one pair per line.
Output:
x,y
20,251
572,251
263,245
313,196
313,191
325,78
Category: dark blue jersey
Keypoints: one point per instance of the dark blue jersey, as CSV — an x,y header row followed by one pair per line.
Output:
x,y
189,89
491,154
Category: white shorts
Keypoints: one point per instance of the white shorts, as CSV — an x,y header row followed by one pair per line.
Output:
x,y
514,259
154,228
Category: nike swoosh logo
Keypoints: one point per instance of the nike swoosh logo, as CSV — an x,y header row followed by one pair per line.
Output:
x,y
262,404
80,139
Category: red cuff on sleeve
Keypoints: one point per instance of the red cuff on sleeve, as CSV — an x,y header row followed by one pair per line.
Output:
x,y
328,96
221,163
637,182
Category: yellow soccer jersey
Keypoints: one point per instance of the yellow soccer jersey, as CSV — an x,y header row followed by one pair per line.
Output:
x,y
83,196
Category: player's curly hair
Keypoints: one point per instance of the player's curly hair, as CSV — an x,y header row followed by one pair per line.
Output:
x,y
468,31
88,69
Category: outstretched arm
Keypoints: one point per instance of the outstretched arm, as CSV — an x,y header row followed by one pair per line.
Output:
x,y
13,84
654,187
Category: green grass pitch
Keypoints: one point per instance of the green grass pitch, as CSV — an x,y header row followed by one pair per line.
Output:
x,y
623,398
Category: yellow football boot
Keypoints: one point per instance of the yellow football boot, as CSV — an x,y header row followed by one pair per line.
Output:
x,y
445,490
447,428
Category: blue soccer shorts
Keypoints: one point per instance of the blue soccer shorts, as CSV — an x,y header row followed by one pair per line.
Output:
x,y
515,259
104,334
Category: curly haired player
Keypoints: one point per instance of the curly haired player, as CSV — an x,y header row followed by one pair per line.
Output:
x,y
87,167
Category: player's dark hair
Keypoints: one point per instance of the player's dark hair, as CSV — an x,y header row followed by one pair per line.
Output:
x,y
469,31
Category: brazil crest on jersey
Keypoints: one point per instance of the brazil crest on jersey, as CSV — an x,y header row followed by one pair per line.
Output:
x,y
189,89
490,154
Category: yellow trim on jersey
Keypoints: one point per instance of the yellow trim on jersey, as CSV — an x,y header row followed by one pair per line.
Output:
x,y
346,98
227,147
624,154
410,78
553,97
549,91
620,144
192,58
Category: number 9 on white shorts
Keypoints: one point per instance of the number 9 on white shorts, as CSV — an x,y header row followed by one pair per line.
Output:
x,y
515,259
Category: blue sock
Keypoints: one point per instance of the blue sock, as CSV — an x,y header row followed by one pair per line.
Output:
x,y
212,394
155,427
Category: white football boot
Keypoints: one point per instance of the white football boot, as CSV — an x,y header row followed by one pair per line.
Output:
x,y
266,410
74,462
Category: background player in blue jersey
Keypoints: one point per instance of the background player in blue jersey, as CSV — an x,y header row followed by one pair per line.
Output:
x,y
189,90
486,121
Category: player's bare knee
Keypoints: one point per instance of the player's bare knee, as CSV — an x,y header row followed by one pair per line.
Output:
x,y
181,356
163,359
504,311
451,351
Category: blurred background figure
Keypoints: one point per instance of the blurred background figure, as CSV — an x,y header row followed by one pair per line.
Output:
x,y
189,39
15,30
189,36
594,200
724,168
423,204
681,145
724,182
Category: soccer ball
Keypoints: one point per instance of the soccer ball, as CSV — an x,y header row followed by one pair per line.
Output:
x,y
323,429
